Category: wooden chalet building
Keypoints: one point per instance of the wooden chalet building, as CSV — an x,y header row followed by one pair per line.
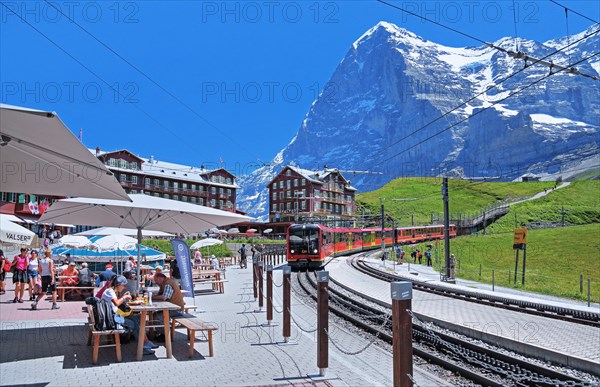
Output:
x,y
297,193
211,188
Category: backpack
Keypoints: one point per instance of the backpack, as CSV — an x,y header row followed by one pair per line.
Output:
x,y
104,317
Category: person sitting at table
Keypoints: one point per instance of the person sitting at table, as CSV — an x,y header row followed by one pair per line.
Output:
x,y
86,277
169,291
174,271
104,281
72,275
117,285
130,264
197,258
131,283
63,267
150,277
215,262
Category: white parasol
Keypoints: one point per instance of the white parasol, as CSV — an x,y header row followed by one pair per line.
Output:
x,y
14,234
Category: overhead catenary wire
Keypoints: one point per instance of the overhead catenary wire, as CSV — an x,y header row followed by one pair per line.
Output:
x,y
492,104
575,12
514,54
500,82
145,75
95,74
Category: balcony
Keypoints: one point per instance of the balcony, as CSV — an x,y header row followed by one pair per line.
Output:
x,y
177,191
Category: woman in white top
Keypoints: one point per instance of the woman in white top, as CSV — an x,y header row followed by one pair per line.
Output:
x,y
117,286
32,272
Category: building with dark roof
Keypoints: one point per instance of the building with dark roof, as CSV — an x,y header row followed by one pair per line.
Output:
x,y
212,188
297,193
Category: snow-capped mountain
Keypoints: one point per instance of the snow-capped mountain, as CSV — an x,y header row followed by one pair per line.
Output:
x,y
393,105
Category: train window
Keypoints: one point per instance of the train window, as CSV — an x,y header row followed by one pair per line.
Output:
x,y
304,239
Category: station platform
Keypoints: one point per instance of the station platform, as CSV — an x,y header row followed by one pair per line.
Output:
x,y
562,341
48,347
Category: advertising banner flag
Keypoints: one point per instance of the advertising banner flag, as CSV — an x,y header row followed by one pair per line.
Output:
x,y
182,255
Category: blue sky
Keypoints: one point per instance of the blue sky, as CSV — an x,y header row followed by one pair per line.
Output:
x,y
239,76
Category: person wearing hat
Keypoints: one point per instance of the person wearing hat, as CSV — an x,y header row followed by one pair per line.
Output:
x,y
132,322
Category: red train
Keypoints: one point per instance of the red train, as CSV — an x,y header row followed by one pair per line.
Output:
x,y
309,245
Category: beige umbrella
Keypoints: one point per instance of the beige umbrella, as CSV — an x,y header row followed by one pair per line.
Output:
x,y
142,212
40,155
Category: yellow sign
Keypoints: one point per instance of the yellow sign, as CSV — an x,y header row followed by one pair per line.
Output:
x,y
520,236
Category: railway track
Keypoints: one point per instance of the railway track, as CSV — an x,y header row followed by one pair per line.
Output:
x,y
522,306
464,358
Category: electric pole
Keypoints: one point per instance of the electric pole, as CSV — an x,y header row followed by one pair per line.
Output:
x,y
382,229
446,226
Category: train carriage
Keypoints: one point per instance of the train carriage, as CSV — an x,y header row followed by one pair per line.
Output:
x,y
309,245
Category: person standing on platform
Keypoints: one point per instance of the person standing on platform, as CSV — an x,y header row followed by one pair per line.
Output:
x,y
46,270
4,263
20,278
243,258
32,273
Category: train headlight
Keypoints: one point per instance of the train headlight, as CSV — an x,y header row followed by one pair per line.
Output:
x,y
292,251
315,251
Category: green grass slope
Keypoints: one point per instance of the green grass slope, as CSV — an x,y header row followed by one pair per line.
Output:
x,y
464,197
580,202
556,258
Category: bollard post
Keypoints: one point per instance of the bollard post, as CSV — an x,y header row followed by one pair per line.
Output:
x,y
589,292
516,264
480,272
254,280
269,294
524,263
508,277
580,283
493,281
402,333
322,321
287,305
260,285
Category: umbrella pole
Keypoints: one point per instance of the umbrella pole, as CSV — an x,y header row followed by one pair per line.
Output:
x,y
139,243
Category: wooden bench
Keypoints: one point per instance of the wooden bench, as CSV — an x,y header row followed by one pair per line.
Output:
x,y
97,334
66,289
193,324
217,284
187,308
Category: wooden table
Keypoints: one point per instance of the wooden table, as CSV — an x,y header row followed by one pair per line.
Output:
x,y
156,306
212,277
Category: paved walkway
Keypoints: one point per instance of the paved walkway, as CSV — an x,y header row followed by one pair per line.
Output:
x,y
425,273
48,347
580,341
